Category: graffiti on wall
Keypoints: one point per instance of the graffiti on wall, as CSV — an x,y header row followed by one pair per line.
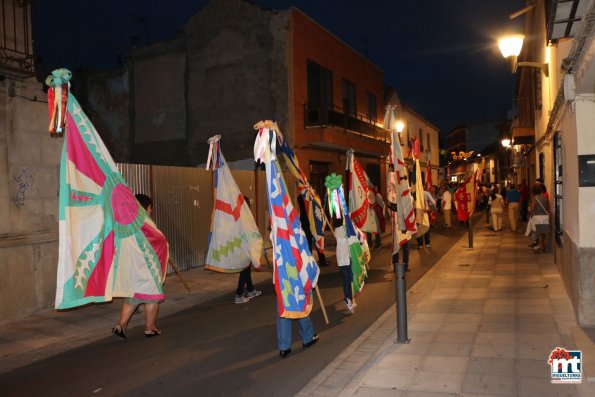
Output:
x,y
24,182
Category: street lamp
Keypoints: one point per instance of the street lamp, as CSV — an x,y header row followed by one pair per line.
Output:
x,y
511,46
400,126
505,142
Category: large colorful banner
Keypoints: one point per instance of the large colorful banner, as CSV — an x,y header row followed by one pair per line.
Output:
x,y
421,213
108,245
358,193
312,201
399,192
376,223
359,252
295,272
464,197
234,239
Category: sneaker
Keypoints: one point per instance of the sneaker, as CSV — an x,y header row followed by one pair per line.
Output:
x,y
254,294
241,299
350,306
428,245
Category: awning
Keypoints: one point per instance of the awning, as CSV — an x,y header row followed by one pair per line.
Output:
x,y
523,135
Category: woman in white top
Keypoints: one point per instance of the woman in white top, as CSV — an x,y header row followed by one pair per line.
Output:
x,y
497,209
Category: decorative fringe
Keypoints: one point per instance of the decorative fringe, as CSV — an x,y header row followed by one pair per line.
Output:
x,y
59,83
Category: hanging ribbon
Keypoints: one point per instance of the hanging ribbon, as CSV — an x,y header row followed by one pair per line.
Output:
x,y
333,182
260,145
213,151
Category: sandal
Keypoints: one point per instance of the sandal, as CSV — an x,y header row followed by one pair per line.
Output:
x,y
118,330
152,333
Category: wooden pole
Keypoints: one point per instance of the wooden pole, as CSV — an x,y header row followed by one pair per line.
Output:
x,y
175,267
322,305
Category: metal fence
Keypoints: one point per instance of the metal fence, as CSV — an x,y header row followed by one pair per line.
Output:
x,y
183,201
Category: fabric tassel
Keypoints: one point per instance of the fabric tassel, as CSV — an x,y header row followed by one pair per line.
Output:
x,y
52,111
63,102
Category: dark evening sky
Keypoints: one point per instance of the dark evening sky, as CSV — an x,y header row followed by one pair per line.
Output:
x,y
440,55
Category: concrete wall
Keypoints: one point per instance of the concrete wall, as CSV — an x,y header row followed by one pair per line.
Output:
x,y
29,181
236,75
585,125
578,274
105,96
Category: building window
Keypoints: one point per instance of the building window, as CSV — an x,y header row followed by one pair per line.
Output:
x,y
318,172
371,109
542,165
558,191
320,86
349,105
421,140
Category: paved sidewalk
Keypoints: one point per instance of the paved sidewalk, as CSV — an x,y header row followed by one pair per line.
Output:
x,y
482,322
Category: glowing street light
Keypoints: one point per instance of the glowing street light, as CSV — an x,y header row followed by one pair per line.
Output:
x,y
400,126
511,46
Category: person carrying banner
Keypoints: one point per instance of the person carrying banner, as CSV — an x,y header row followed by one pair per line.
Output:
x,y
399,199
131,304
357,247
344,263
295,272
108,246
430,207
235,243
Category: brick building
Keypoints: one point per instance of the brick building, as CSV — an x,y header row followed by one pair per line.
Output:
x,y
236,63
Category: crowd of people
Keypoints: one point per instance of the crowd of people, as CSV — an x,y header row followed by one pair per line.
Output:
x,y
506,206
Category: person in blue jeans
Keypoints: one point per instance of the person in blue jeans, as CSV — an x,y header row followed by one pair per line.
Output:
x,y
306,329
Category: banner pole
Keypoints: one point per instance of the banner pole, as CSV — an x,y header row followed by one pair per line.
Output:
x,y
322,305
175,267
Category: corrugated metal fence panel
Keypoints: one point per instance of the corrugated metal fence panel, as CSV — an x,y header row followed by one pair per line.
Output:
x,y
138,177
183,203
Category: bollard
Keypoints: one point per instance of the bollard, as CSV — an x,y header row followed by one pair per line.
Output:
x,y
470,232
401,296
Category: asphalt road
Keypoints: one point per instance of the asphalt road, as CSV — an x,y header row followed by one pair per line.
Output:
x,y
222,349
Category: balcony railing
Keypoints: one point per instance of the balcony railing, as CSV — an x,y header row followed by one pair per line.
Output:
x,y
16,53
334,116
